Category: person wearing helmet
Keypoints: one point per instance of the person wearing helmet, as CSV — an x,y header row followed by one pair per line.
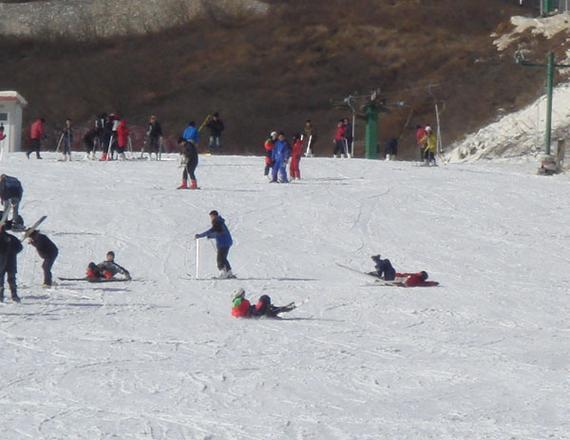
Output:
x,y
265,308
419,279
269,145
241,307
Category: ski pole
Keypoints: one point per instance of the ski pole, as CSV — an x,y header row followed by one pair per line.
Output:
x,y
197,276
59,143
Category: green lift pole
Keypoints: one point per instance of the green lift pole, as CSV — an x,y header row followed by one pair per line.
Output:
x,y
371,136
550,70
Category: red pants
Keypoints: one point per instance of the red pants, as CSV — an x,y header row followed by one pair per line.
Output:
x,y
294,171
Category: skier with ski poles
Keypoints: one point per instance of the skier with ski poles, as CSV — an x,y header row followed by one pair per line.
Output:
x,y
430,146
67,139
220,232
47,251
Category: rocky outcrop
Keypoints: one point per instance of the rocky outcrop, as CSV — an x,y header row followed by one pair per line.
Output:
x,y
87,19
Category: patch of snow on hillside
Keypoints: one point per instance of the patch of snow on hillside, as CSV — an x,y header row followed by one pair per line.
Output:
x,y
546,26
517,134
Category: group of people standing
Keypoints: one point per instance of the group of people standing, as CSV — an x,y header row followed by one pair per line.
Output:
x,y
427,144
279,152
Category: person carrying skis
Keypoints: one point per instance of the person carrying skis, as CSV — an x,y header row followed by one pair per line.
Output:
x,y
269,145
224,242
190,161
296,153
216,127
67,139
122,138
47,251
10,247
154,133
11,192
106,270
309,138
339,139
37,133
280,156
386,272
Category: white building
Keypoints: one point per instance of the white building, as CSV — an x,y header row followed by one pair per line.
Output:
x,y
11,106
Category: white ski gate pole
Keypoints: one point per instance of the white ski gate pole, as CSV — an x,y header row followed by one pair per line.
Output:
x,y
309,152
59,143
197,275
353,134
109,148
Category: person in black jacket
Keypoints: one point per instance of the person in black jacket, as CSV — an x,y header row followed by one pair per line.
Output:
x,y
10,246
154,133
47,250
190,160
216,126
264,307
11,192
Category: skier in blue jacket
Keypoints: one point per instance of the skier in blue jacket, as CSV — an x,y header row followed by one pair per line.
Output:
x,y
280,155
191,134
224,241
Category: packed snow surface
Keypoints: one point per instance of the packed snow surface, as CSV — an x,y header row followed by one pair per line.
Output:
x,y
486,355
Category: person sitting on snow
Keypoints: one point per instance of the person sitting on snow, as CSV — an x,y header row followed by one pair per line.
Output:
x,y
242,308
386,272
106,270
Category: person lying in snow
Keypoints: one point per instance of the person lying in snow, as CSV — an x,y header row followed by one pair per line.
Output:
x,y
107,269
242,308
385,271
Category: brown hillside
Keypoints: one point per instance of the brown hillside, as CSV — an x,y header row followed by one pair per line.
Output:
x,y
274,72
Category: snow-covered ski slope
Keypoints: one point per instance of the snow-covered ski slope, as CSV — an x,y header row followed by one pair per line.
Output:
x,y
484,356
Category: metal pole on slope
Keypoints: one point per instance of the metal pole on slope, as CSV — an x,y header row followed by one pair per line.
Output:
x,y
549,87
197,275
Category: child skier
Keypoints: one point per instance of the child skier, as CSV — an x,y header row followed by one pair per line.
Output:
x,y
107,269
11,192
47,250
430,141
269,145
296,153
224,241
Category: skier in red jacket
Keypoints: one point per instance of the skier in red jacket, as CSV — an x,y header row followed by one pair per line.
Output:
x,y
122,138
269,145
37,133
340,140
296,153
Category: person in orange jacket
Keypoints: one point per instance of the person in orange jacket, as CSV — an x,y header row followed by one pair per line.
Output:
x,y
296,153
